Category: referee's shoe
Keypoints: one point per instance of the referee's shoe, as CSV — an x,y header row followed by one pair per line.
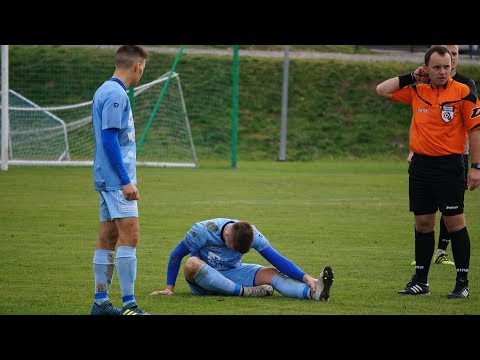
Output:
x,y
460,291
415,287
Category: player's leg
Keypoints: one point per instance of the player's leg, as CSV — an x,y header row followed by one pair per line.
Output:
x,y
282,283
205,280
293,288
424,248
444,239
413,263
126,263
424,206
452,209
125,213
104,263
461,254
424,245
441,256
444,236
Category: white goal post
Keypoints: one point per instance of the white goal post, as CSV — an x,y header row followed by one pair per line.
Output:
x,y
63,136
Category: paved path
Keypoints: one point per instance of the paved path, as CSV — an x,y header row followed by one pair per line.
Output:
x,y
379,55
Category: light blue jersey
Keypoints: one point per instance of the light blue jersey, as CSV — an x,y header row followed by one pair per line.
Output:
x,y
204,240
111,109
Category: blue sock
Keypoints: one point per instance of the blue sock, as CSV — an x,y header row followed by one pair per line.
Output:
x,y
210,279
126,262
103,265
290,287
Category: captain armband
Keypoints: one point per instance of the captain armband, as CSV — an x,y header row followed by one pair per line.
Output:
x,y
406,79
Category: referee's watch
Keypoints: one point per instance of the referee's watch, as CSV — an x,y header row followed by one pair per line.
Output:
x,y
475,166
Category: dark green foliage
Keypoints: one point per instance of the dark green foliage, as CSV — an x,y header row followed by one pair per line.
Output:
x,y
333,109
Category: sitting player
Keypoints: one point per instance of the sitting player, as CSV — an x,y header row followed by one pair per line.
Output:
x,y
215,265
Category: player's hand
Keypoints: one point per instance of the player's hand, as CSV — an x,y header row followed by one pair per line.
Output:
x,y
310,281
131,192
162,292
473,179
409,158
421,74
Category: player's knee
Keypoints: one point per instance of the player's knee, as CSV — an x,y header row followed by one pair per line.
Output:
x,y
265,275
192,265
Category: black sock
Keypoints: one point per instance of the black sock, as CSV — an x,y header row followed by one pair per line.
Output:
x,y
424,247
461,252
444,237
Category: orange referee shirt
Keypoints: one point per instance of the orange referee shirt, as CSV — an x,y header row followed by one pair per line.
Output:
x,y
442,117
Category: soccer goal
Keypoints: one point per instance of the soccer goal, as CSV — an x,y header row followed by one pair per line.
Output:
x,y
62,135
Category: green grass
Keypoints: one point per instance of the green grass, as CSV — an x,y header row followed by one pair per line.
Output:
x,y
351,214
341,198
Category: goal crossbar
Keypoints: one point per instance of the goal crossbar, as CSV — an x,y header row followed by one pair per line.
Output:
x,y
62,135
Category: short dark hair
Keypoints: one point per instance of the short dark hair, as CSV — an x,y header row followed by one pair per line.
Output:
x,y
242,236
439,49
127,55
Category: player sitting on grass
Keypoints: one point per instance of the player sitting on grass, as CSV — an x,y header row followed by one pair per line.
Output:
x,y
215,265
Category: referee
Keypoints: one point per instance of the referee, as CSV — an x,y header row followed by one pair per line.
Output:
x,y
445,114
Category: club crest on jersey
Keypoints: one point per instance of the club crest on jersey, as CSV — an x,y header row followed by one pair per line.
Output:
x,y
447,113
212,226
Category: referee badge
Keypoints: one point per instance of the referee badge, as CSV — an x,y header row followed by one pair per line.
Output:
x,y
447,113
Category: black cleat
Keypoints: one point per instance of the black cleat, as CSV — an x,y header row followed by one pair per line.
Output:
x,y
460,291
415,287
325,281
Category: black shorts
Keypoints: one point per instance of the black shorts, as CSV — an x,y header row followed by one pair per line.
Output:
x,y
465,161
437,183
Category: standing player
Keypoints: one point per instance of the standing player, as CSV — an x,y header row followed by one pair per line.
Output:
x,y
114,172
215,267
445,114
441,256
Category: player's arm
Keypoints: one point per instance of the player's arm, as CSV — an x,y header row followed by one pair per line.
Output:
x,y
471,116
282,264
174,262
389,86
473,177
114,155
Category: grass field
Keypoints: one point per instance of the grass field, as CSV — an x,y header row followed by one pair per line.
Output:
x,y
350,214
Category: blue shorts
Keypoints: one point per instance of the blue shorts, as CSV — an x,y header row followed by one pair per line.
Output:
x,y
113,205
242,275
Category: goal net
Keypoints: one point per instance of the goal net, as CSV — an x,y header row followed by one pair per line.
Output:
x,y
63,136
